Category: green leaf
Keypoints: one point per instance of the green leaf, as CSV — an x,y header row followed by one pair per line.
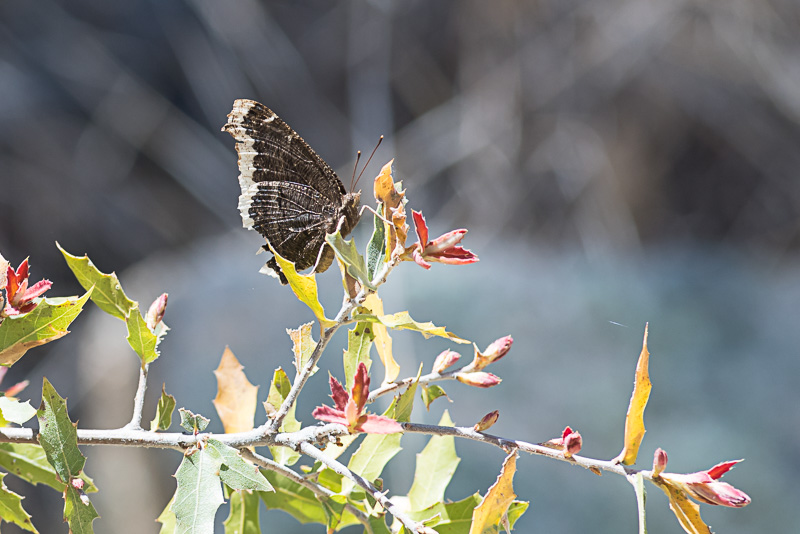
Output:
x,y
192,422
234,471
11,508
403,321
58,435
243,515
16,411
330,479
29,462
59,439
108,293
79,512
167,519
637,482
164,410
348,254
294,499
278,390
451,518
378,525
376,248
47,322
304,287
436,465
199,493
516,510
359,343
140,338
431,393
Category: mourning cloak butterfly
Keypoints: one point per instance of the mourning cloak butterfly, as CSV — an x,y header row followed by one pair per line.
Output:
x,y
289,194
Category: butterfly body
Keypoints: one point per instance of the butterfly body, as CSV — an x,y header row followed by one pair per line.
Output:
x,y
288,193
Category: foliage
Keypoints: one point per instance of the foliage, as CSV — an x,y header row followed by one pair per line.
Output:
x,y
332,492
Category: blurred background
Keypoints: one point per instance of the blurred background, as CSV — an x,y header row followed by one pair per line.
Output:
x,y
616,162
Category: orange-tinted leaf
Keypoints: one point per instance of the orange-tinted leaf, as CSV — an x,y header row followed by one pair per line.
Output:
x,y
303,345
489,513
236,397
634,421
386,192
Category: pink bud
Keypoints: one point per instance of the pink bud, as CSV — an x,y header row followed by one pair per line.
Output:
x,y
572,444
479,379
659,461
444,360
486,421
498,348
76,483
156,312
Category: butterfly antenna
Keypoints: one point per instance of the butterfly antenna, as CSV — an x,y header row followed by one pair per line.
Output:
x,y
353,179
368,160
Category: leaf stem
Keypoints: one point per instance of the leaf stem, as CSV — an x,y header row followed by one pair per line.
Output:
x,y
138,399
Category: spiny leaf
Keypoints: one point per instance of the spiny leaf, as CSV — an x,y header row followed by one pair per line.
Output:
x,y
29,462
634,421
359,342
431,393
383,341
347,253
11,508
304,287
16,411
237,398
243,515
402,321
436,465
303,345
278,391
59,439
451,518
234,471
79,511
191,422
167,519
164,411
199,493
47,322
494,506
140,338
108,293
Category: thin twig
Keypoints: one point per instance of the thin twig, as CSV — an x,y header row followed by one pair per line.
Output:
x,y
336,466
138,399
320,491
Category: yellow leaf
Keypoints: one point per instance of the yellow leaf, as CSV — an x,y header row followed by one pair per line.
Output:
x,y
403,321
303,345
304,286
487,515
634,421
686,510
236,397
383,342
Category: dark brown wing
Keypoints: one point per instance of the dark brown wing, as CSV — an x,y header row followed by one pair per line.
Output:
x,y
293,217
270,150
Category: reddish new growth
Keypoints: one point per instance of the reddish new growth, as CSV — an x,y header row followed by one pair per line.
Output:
x,y
443,249
350,408
570,442
19,297
703,486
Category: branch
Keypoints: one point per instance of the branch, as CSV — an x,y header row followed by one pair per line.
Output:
x,y
423,380
591,464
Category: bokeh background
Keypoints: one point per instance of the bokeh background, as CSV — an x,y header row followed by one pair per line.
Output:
x,y
616,162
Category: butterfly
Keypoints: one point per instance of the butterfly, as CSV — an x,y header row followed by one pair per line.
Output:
x,y
289,194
